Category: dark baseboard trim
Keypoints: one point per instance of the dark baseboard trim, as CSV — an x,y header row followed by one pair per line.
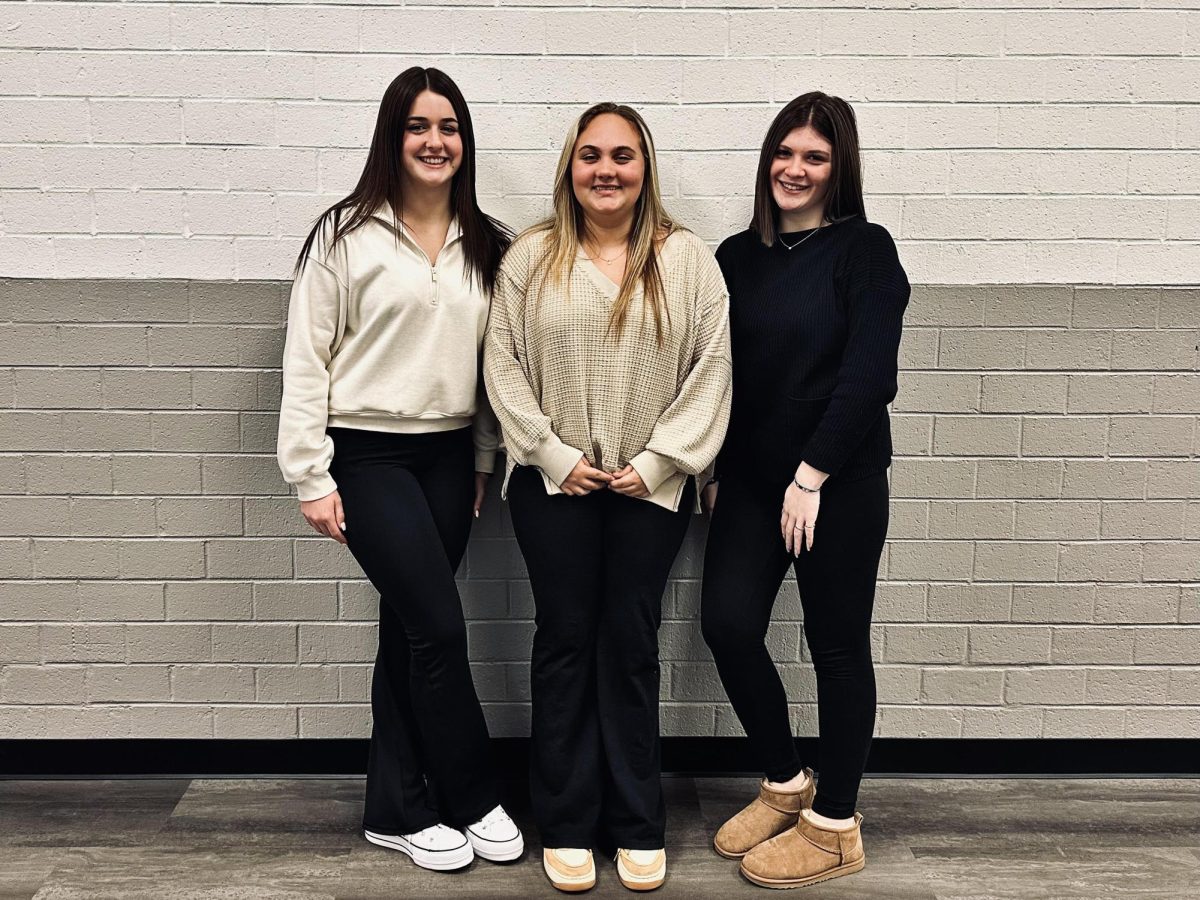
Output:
x,y
983,757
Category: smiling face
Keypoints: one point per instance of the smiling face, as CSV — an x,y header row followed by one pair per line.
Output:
x,y
800,176
432,144
608,169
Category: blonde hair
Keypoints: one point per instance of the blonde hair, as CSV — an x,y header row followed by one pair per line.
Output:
x,y
566,228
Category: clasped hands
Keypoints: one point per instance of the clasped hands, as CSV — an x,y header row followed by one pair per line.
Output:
x,y
585,478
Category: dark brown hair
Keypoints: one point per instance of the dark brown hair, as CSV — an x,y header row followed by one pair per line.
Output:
x,y
833,119
484,238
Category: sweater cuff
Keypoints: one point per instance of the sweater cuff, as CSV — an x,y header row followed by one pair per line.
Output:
x,y
555,458
485,461
316,487
654,468
822,457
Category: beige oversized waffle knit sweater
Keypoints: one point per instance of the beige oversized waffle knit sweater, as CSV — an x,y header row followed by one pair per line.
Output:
x,y
563,386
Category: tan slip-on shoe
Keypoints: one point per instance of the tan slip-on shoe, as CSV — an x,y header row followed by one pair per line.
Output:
x,y
569,869
642,870
805,855
770,813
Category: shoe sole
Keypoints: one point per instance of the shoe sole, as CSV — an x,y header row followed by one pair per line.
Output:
x,y
568,887
497,851
642,885
785,883
642,882
728,854
447,861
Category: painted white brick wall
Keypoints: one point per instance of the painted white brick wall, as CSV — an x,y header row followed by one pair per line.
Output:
x,y
1008,141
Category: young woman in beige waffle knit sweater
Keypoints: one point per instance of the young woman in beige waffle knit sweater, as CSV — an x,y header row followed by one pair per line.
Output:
x,y
607,362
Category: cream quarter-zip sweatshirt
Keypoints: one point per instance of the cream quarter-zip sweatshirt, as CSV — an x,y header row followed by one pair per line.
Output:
x,y
380,338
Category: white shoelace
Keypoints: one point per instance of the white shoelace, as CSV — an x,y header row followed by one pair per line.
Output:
x,y
495,817
434,832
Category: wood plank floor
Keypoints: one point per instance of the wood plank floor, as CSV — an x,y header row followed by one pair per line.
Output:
x,y
926,839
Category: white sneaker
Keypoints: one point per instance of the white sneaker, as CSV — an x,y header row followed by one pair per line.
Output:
x,y
437,847
496,837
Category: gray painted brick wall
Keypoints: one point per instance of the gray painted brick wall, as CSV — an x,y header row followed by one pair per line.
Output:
x,y
156,580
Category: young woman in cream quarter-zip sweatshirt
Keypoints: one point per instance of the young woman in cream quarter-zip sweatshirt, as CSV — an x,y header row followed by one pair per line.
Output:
x,y
382,425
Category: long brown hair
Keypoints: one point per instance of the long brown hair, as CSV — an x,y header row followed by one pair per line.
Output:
x,y
484,238
833,119
567,227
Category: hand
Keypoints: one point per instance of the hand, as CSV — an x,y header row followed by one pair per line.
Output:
x,y
481,481
799,519
628,482
326,516
708,496
584,479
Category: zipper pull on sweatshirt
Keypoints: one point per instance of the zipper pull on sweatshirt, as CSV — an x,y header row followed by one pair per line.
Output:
x,y
434,284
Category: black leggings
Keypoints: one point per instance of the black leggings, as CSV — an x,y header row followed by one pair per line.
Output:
x,y
598,565
744,565
407,500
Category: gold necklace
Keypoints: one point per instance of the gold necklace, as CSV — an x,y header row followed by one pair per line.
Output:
x,y
624,250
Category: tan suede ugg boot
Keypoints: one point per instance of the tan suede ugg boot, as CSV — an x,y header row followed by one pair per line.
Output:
x,y
770,813
805,855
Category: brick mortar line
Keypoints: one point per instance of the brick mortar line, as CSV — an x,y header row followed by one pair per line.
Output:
x,y
905,413
209,192
514,701
315,542
1182,101
662,10
1173,626
875,148
578,56
351,668
973,288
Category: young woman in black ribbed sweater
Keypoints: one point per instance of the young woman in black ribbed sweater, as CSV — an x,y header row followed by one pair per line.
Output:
x,y
817,297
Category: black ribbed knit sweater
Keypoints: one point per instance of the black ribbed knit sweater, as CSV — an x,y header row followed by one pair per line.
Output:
x,y
815,333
